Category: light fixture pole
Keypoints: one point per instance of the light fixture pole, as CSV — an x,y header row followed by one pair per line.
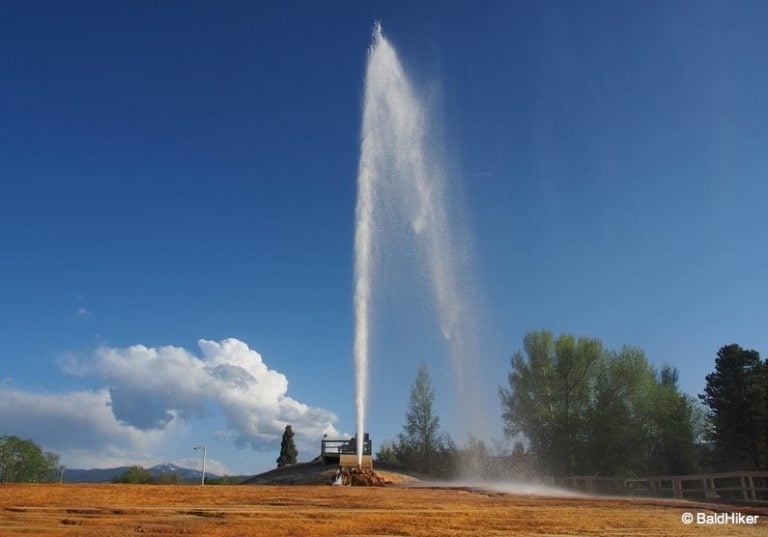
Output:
x,y
205,449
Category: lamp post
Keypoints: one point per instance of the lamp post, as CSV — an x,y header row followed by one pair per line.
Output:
x,y
205,449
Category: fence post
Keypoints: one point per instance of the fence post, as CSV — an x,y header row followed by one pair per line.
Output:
x,y
677,488
743,487
752,490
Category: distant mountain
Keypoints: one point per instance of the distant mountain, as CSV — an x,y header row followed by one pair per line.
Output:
x,y
102,475
185,473
95,475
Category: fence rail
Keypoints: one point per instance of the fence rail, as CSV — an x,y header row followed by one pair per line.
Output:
x,y
743,486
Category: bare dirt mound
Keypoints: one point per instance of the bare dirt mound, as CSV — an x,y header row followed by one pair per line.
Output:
x,y
363,477
313,473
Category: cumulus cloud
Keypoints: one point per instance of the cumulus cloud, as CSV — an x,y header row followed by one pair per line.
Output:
x,y
151,397
78,423
150,388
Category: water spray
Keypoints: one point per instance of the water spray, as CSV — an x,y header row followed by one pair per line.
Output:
x,y
401,180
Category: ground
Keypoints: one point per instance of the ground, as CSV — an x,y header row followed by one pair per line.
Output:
x,y
106,510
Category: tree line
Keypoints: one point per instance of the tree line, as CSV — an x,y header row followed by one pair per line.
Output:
x,y
571,406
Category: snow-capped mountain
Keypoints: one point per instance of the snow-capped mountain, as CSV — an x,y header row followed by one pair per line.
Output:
x,y
97,475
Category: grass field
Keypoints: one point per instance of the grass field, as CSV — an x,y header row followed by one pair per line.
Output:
x,y
154,510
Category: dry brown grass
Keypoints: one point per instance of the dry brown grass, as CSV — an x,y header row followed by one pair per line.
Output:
x,y
230,511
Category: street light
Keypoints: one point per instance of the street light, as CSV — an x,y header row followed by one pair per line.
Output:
x,y
205,449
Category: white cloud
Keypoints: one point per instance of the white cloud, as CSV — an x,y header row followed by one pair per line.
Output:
x,y
151,396
211,465
76,425
83,312
149,387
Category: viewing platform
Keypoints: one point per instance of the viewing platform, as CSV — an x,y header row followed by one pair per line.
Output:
x,y
344,452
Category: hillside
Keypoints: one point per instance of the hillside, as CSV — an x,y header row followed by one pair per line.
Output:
x,y
314,473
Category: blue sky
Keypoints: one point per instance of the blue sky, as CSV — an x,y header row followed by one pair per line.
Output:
x,y
178,171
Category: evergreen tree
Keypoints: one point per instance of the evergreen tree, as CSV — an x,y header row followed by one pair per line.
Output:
x,y
737,397
288,451
419,441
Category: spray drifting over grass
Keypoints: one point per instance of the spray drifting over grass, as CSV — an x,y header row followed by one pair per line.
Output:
x,y
400,179
518,488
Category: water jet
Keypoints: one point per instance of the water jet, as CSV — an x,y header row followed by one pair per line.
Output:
x,y
402,205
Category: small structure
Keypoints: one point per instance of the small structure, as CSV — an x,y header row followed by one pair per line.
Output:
x,y
344,452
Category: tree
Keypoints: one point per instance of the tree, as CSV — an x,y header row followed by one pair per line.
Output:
x,y
386,454
737,396
586,410
419,441
23,461
548,396
168,478
673,422
618,422
135,475
447,463
223,480
288,451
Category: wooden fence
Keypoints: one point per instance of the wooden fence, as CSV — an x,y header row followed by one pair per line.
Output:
x,y
740,486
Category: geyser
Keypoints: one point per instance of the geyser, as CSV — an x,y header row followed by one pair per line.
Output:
x,y
401,180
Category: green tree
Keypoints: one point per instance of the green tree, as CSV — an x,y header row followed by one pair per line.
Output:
x,y
135,475
447,461
168,478
288,451
549,394
224,480
587,410
673,431
419,441
737,396
386,454
23,461
618,419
